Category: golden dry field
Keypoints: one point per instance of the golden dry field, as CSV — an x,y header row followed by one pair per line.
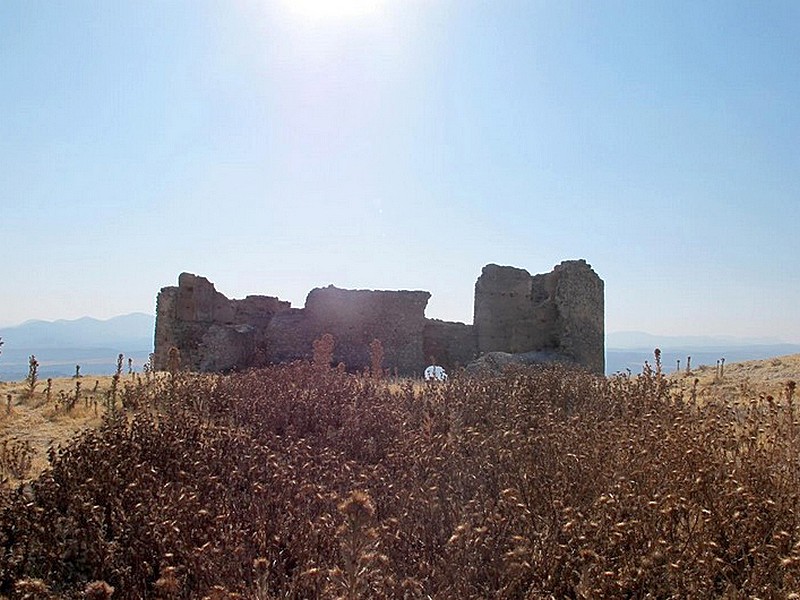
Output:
x,y
743,381
762,374
43,421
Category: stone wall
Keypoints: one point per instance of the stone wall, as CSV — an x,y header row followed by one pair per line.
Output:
x,y
356,317
580,300
452,345
558,313
561,311
212,332
514,312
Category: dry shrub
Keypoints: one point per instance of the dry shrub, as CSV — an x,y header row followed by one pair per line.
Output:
x,y
32,589
16,457
98,590
376,354
299,482
323,351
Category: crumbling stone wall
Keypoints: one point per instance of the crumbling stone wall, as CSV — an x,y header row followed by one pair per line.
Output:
x,y
558,313
212,332
356,317
561,311
451,345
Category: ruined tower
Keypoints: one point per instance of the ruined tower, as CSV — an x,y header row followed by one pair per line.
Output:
x,y
560,312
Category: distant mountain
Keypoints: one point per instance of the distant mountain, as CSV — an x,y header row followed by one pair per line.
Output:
x,y
640,339
134,329
628,350
60,345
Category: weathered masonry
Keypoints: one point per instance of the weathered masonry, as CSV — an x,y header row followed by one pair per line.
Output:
x,y
561,313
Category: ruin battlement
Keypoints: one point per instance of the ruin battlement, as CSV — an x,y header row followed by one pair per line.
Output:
x,y
559,313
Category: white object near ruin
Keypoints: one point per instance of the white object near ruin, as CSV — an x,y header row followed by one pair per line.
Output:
x,y
435,373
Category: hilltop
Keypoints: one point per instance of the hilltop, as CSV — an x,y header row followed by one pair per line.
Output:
x,y
43,425
746,379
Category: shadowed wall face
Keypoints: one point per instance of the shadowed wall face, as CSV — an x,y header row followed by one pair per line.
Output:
x,y
211,332
559,313
356,317
214,333
451,345
579,298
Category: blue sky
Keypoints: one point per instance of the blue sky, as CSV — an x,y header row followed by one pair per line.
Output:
x,y
274,150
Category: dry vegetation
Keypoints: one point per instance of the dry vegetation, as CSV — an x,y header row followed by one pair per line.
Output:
x,y
306,482
37,422
743,381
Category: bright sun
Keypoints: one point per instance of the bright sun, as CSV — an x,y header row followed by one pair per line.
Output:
x,y
321,9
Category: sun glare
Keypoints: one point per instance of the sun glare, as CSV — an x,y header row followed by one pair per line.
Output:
x,y
325,9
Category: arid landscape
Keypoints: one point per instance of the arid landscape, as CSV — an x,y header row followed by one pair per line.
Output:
x,y
285,212
43,425
300,481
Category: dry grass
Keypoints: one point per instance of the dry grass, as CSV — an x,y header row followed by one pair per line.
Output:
x,y
744,381
44,423
306,482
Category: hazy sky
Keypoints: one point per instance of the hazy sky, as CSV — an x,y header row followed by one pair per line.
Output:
x,y
277,146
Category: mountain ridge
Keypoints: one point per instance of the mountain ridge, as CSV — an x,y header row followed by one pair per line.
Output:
x,y
61,345
134,329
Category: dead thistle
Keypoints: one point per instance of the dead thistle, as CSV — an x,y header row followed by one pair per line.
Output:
x,y
168,585
323,351
376,353
32,589
358,548
98,590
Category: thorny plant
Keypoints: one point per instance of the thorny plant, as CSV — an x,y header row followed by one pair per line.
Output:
x,y
298,482
111,395
376,353
16,457
32,379
174,360
323,351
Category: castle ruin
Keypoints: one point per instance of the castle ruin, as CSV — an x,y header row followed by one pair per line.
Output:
x,y
560,314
